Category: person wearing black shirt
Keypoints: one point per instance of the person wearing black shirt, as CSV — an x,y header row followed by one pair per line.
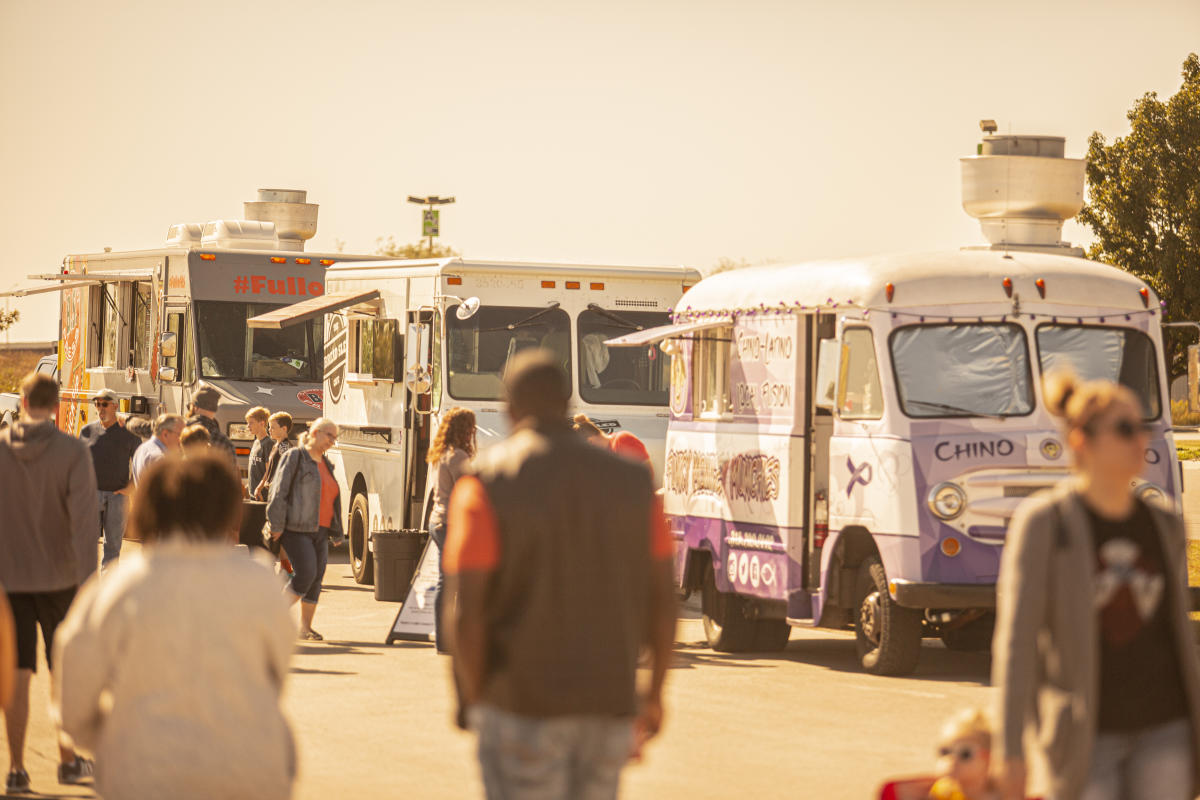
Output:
x,y
204,413
112,448
260,451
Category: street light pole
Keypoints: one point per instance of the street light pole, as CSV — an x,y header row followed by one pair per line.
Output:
x,y
430,228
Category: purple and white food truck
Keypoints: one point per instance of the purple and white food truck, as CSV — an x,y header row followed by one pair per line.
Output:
x,y
849,439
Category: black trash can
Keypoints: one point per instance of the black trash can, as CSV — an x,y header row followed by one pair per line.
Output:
x,y
254,515
397,554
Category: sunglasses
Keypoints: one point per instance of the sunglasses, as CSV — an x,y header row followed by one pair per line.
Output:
x,y
962,752
1122,429
102,403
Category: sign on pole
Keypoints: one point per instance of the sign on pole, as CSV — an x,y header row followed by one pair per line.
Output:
x,y
429,223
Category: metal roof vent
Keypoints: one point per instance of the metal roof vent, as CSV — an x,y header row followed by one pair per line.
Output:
x,y
239,234
295,220
1022,190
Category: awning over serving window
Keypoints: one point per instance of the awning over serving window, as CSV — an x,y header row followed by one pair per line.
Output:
x,y
652,335
308,309
73,280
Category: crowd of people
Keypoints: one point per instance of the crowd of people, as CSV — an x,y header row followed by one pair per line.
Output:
x,y
555,595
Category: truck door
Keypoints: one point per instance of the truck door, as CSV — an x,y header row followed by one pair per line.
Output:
x,y
419,383
180,366
821,371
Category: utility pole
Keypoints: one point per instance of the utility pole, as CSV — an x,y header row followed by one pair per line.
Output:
x,y
430,216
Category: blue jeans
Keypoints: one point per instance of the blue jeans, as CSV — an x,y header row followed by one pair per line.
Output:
x,y
1152,763
309,553
553,758
437,532
112,525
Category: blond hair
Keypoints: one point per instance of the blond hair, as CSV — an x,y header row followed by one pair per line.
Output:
x,y
970,723
457,432
259,413
1079,403
306,438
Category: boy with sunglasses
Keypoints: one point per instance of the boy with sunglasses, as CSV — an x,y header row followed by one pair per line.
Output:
x,y
112,448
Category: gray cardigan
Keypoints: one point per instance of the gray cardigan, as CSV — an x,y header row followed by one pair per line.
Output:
x,y
1047,643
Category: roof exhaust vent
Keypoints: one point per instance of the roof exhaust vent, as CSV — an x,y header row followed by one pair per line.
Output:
x,y
295,220
185,234
1022,189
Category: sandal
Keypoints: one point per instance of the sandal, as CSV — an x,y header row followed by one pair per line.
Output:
x,y
311,636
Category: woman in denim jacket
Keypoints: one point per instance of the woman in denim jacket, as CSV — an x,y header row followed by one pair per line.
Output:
x,y
305,511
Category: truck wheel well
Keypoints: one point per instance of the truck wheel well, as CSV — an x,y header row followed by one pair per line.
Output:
x,y
359,486
854,546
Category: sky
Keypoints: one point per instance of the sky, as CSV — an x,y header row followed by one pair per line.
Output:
x,y
653,132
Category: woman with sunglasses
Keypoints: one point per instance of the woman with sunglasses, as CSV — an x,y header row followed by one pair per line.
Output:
x,y
304,511
1093,649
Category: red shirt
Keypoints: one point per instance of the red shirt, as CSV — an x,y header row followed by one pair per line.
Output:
x,y
329,493
626,444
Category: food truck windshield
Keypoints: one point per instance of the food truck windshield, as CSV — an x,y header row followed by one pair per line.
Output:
x,y
232,351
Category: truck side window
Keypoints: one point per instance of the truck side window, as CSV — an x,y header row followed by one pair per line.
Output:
x,y
140,334
364,346
710,366
860,395
111,329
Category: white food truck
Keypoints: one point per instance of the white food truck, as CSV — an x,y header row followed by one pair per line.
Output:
x,y
406,340
849,439
155,325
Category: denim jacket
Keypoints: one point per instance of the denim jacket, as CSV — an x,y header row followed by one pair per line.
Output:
x,y
294,503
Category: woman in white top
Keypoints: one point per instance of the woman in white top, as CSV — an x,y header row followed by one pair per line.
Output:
x,y
449,456
171,669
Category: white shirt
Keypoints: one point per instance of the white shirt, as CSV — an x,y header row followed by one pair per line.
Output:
x,y
147,453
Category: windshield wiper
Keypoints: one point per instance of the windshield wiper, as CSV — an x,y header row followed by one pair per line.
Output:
x,y
512,326
966,412
604,312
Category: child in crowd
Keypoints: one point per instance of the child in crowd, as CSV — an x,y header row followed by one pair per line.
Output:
x,y
964,756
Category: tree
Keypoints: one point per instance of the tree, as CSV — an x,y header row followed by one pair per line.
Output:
x,y
1144,202
7,318
392,249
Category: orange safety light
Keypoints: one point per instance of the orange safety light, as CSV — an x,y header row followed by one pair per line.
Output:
x,y
243,451
1041,287
327,262
208,256
1145,293
549,284
278,260
890,289
454,281
597,287
951,546
1007,284
303,260
572,284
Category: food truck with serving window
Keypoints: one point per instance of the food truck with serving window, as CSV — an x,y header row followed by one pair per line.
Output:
x,y
407,340
850,439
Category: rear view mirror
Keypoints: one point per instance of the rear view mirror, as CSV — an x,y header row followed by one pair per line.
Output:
x,y
168,344
417,375
468,308
825,389
166,374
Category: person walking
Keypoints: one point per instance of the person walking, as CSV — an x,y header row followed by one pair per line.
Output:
x,y
449,456
47,549
257,420
559,562
8,653
1093,647
304,511
279,428
112,448
188,705
168,428
203,411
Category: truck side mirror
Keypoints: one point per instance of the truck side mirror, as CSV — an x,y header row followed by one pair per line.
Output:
x,y
1193,378
168,344
167,374
825,389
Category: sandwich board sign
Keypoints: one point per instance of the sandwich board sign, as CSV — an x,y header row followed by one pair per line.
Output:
x,y
415,620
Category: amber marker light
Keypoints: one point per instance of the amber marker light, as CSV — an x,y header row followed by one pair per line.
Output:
x,y
208,256
304,261
951,546
1145,293
596,287
572,284
327,262
1007,284
454,281
890,289
278,260
548,284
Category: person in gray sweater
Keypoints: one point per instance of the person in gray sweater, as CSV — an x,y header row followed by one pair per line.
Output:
x,y
48,541
1094,654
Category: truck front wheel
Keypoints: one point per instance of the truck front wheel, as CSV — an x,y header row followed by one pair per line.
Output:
x,y
362,564
887,636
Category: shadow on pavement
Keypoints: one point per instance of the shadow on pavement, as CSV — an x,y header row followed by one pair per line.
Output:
x,y
354,588
330,649
307,671
936,663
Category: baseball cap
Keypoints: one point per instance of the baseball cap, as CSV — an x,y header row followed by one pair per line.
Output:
x,y
105,394
207,398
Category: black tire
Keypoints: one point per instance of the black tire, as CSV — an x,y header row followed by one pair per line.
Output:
x,y
726,625
887,636
974,637
362,563
728,628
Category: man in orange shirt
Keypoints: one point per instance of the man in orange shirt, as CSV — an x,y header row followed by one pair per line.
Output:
x,y
560,559
622,442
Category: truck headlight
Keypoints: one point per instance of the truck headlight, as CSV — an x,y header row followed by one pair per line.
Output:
x,y
947,500
239,431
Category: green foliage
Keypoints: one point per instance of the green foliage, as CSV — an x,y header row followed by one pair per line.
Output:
x,y
1144,202
7,318
392,249
1180,416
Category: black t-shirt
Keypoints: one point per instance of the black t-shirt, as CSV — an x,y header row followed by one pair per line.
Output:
x,y
112,448
260,451
1140,680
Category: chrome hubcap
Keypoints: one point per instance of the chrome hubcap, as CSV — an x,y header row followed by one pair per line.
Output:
x,y
869,616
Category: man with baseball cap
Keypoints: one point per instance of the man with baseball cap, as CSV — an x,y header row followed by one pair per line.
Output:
x,y
112,447
204,413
